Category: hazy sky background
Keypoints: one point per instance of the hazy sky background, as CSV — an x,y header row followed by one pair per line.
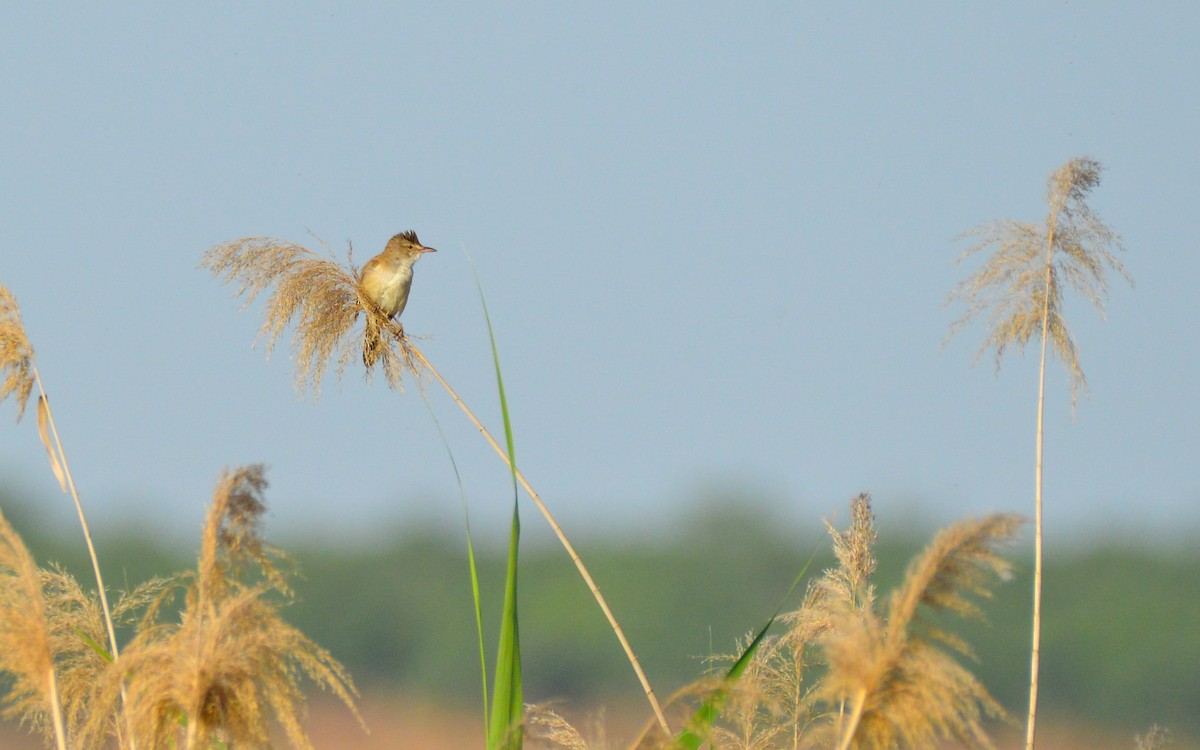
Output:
x,y
715,240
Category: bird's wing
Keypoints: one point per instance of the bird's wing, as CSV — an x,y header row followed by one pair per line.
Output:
x,y
369,266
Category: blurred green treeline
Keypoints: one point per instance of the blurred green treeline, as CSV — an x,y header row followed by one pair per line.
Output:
x,y
1121,640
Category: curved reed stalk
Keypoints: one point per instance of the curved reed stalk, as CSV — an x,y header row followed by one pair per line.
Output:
x,y
16,356
562,537
325,299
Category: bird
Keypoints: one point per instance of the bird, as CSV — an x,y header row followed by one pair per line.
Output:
x,y
385,280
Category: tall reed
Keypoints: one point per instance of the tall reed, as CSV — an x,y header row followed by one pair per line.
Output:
x,y
17,358
1019,290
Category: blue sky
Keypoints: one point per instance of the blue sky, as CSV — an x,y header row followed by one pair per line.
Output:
x,y
715,240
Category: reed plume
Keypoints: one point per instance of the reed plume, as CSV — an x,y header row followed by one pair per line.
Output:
x,y
16,355
897,675
1157,738
843,674
77,630
25,650
231,662
324,298
546,728
1019,290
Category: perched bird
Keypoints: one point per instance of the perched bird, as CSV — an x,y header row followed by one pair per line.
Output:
x,y
386,280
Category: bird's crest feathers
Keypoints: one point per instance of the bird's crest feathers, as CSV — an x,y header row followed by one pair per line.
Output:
x,y
409,235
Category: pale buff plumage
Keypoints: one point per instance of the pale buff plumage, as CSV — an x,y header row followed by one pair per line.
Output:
x,y
386,280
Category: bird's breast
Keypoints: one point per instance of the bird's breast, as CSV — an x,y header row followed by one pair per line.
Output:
x,y
388,289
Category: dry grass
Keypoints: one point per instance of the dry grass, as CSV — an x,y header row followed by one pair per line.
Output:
x,y
77,628
16,355
25,649
1019,289
898,675
324,299
222,673
1157,738
545,728
231,663
1022,282
844,671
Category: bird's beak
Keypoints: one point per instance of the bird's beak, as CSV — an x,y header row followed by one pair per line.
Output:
x,y
423,249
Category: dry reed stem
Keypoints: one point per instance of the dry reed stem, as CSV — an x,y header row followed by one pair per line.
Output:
x,y
16,356
562,537
1019,288
25,650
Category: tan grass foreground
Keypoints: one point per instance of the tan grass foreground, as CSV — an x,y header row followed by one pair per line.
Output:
x,y
217,675
850,671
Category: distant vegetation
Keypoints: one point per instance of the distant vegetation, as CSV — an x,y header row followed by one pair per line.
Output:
x,y
1120,646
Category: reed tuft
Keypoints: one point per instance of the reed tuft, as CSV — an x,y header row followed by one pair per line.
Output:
x,y
850,581
1019,288
16,355
895,676
25,648
1157,738
77,630
324,299
546,728
842,674
231,662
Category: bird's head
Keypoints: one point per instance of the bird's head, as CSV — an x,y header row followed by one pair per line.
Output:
x,y
407,244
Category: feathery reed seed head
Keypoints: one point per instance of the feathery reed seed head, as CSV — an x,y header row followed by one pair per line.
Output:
x,y
323,298
16,355
77,630
854,549
905,687
25,652
1019,288
231,662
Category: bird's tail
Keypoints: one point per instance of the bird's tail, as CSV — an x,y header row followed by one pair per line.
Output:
x,y
372,342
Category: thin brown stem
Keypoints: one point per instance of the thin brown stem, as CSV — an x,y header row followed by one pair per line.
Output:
x,y
860,699
562,537
56,718
87,534
1035,647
